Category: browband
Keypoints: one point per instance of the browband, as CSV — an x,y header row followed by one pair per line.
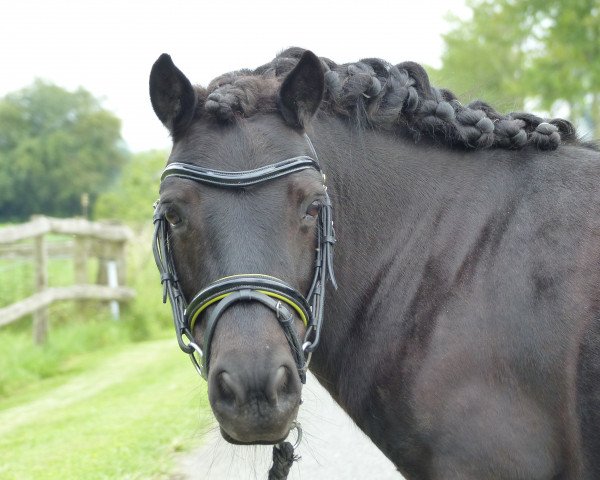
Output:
x,y
242,178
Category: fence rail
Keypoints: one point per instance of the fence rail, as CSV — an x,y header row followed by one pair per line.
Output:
x,y
54,294
40,225
103,240
25,250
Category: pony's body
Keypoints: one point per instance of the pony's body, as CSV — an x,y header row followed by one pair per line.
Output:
x,y
470,284
464,339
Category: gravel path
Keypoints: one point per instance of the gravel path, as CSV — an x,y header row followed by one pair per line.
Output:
x,y
332,448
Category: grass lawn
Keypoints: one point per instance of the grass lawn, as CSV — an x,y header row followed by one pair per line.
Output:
x,y
121,417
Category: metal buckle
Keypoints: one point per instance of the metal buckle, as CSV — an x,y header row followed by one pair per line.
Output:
x,y
198,362
307,356
295,425
195,352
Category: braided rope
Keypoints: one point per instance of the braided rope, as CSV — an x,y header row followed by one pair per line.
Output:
x,y
399,98
283,459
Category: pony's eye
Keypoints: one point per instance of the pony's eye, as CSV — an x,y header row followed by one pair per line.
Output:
x,y
313,209
172,217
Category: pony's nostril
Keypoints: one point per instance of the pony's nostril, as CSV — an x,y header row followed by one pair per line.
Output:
x,y
230,391
278,385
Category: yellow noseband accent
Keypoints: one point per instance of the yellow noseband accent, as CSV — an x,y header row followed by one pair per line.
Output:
x,y
292,304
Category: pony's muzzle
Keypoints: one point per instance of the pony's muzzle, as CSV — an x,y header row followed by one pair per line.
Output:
x,y
255,400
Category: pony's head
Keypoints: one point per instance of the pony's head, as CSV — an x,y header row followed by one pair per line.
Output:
x,y
243,208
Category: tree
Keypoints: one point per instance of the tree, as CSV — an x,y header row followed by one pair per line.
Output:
x,y
130,199
546,52
55,146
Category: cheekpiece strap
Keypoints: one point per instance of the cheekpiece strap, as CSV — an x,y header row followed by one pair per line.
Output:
x,y
168,278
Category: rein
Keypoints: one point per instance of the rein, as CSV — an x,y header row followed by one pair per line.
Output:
x,y
268,290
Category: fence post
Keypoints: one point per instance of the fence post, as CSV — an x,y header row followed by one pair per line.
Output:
x,y
121,259
113,282
40,317
108,243
80,264
80,260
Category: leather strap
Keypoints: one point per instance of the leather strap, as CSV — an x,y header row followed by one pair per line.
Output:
x,y
242,178
270,286
285,317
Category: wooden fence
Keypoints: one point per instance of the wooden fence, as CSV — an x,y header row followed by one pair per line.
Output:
x,y
103,240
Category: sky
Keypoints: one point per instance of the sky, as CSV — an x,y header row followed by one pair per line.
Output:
x,y
108,47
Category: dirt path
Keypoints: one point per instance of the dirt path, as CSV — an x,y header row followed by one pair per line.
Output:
x,y
332,448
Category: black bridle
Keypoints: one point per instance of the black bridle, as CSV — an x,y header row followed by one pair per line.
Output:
x,y
265,289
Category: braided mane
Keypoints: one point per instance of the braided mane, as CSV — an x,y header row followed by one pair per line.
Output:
x,y
379,95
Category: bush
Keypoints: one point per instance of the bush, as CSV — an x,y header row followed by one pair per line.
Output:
x,y
130,199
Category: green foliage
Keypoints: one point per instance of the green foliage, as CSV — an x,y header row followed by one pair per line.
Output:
x,y
55,145
146,315
480,59
130,199
75,329
23,364
17,274
510,51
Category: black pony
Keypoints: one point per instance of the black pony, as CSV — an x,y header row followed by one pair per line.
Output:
x,y
464,336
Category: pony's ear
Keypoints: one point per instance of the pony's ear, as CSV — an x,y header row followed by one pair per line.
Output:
x,y
302,90
173,96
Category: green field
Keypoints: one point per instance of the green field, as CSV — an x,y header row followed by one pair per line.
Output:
x,y
124,415
102,399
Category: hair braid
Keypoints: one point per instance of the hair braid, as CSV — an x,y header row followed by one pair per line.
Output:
x,y
391,97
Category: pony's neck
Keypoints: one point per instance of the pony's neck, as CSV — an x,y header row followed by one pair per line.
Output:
x,y
387,194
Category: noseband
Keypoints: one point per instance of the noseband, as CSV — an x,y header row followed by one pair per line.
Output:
x,y
270,291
